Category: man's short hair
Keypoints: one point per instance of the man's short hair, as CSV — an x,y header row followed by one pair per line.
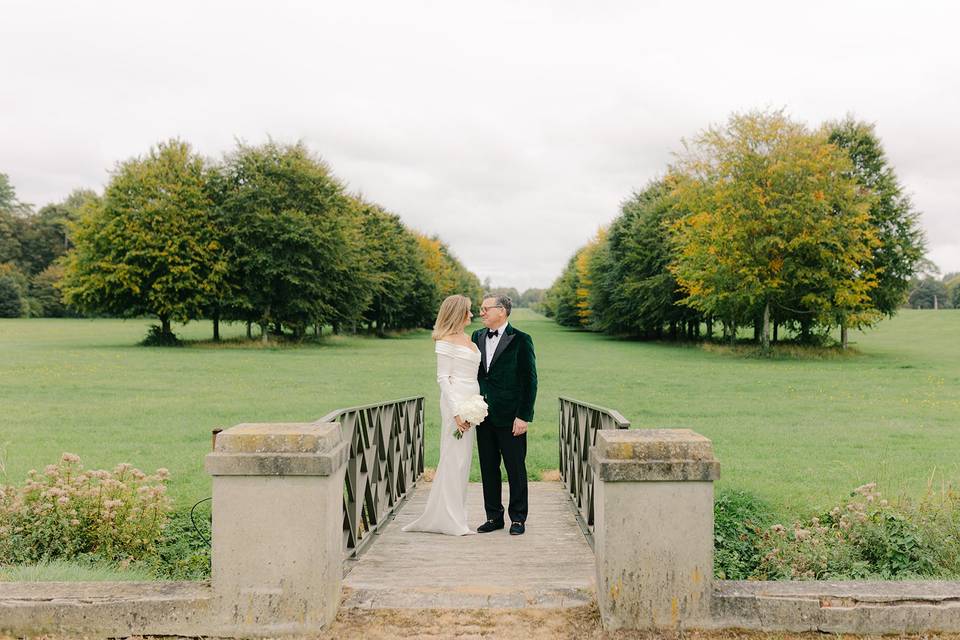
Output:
x,y
503,301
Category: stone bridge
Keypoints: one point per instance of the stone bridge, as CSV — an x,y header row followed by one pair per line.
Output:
x,y
307,518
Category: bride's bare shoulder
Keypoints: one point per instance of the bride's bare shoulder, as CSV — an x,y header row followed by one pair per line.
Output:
x,y
459,340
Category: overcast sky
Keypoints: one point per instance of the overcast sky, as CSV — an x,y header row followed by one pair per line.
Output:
x,y
513,130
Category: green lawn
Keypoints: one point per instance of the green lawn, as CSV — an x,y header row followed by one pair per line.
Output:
x,y
800,433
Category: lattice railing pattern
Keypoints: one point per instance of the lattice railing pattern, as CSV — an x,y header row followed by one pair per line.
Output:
x,y
579,423
386,460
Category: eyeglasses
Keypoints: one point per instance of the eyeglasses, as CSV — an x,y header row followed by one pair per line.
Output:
x,y
496,306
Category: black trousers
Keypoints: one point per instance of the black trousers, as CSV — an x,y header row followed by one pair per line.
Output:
x,y
493,445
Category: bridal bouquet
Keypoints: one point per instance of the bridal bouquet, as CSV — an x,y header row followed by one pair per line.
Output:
x,y
472,410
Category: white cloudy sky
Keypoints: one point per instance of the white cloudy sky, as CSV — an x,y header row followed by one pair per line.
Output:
x,y
511,129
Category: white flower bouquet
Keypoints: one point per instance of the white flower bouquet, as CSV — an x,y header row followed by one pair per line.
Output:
x,y
472,410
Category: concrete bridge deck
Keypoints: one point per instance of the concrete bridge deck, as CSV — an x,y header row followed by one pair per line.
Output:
x,y
550,566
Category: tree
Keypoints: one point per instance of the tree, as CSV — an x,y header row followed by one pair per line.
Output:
x,y
928,293
636,292
13,292
151,247
771,214
447,272
43,290
291,240
560,301
897,255
404,294
531,298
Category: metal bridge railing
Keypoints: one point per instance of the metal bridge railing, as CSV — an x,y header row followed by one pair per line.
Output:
x,y
579,423
386,460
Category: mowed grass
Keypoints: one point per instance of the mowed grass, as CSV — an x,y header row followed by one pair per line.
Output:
x,y
800,433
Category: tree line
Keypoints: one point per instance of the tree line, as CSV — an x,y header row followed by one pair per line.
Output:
x,y
267,236
760,222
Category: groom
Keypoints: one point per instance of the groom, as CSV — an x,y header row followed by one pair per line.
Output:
x,y
508,382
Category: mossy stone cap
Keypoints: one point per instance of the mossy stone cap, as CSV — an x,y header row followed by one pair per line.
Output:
x,y
631,455
279,437
279,449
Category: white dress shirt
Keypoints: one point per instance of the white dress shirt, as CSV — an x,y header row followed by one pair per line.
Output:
x,y
492,343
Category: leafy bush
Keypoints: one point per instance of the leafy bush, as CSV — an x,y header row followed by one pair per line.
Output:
x,y
67,512
868,537
739,520
183,553
157,338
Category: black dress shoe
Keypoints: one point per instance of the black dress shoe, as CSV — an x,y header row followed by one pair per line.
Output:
x,y
490,525
517,528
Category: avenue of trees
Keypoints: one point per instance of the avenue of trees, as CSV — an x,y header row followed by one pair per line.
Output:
x,y
761,222
267,236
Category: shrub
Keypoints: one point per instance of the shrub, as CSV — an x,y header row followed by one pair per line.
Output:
x,y
868,537
67,512
739,520
183,553
157,338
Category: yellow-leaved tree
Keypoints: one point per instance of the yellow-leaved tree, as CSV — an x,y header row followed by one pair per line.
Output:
x,y
771,218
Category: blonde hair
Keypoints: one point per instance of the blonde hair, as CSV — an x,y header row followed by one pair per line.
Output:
x,y
453,311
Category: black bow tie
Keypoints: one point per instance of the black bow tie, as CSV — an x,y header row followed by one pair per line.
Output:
x,y
493,334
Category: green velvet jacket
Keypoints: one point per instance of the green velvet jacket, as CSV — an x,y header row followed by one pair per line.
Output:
x,y
509,382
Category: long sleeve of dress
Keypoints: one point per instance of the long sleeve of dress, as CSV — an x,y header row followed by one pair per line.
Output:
x,y
445,373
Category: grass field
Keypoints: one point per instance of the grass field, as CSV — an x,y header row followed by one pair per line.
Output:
x,y
801,433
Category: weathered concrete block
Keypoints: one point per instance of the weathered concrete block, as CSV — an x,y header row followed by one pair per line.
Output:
x,y
653,528
277,527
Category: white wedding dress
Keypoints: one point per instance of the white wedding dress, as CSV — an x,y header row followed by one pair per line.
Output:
x,y
446,510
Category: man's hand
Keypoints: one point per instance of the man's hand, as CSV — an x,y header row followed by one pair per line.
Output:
x,y
462,425
519,427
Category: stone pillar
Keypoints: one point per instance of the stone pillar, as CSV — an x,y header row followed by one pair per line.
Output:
x,y
277,527
653,527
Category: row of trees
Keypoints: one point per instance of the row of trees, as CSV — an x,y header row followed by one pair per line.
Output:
x,y
31,242
267,236
760,222
930,292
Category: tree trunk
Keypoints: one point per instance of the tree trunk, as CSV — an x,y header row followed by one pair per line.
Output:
x,y
733,332
264,332
776,327
805,331
710,328
757,322
380,331
216,327
336,328
766,327
843,334
165,326
249,330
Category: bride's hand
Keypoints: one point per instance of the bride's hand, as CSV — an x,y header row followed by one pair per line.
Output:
x,y
461,424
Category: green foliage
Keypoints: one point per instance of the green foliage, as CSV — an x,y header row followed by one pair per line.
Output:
x,y
560,301
759,222
291,238
44,291
12,302
183,553
900,248
68,512
739,520
926,292
152,246
404,294
868,537
637,294
79,570
772,220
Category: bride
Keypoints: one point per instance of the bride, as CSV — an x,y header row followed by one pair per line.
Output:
x,y
457,362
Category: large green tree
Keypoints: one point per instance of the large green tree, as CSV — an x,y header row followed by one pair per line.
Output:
x,y
637,294
152,246
292,240
405,294
771,214
899,252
